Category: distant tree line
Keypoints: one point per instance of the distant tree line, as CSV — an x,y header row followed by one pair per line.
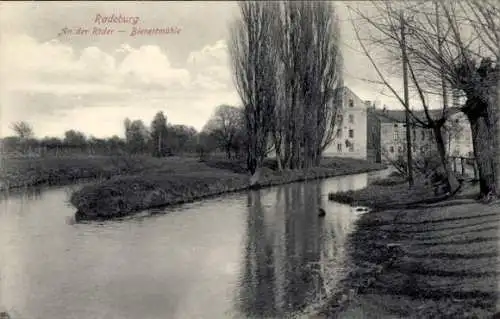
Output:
x,y
223,132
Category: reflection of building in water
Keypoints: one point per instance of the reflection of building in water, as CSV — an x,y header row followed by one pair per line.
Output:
x,y
291,255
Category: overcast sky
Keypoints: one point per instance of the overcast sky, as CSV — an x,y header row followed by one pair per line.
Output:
x,y
92,83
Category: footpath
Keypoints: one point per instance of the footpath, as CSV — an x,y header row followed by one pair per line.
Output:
x,y
437,261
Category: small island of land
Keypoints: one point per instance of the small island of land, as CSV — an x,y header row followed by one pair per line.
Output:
x,y
122,185
182,180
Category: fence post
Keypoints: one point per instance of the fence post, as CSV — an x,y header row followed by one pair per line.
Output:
x,y
462,163
454,164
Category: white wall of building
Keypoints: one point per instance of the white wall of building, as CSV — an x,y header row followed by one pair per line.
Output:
x,y
351,126
393,139
460,143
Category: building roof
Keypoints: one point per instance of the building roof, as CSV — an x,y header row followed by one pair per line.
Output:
x,y
398,116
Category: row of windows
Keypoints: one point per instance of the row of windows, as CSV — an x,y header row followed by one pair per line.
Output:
x,y
350,148
340,118
400,149
339,133
422,135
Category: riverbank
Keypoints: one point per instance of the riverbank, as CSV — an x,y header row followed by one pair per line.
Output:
x,y
438,261
63,170
191,181
436,258
394,192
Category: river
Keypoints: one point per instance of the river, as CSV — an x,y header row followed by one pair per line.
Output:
x,y
248,255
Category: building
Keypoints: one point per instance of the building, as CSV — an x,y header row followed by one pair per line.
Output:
x,y
350,138
388,131
460,143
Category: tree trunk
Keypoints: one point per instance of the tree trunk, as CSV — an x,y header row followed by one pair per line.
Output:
x,y
483,154
451,180
277,146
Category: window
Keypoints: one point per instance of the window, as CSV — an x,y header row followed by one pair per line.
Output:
x,y
339,132
351,103
340,119
351,133
391,149
396,125
351,147
400,149
414,134
351,118
396,135
423,135
339,148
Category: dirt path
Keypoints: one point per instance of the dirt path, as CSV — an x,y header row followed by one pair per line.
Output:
x,y
434,262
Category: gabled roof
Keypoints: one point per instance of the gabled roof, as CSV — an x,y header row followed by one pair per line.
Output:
x,y
398,116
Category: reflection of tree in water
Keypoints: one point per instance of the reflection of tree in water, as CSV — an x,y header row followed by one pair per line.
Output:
x,y
27,193
275,283
257,297
303,244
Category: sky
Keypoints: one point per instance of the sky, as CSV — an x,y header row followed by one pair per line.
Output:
x,y
57,81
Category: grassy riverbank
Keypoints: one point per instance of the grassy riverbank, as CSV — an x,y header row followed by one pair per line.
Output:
x,y
394,192
437,261
26,172
189,180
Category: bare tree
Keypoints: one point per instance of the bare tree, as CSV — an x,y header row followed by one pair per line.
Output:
x,y
389,35
254,62
465,59
23,130
225,124
288,68
310,72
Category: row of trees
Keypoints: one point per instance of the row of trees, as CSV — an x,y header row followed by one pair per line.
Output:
x,y
223,131
287,67
443,46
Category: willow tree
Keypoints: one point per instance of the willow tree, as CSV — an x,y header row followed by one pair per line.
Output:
x,y
451,46
394,34
466,62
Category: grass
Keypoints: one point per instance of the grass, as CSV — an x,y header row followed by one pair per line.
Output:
x,y
383,194
394,192
431,262
22,172
186,180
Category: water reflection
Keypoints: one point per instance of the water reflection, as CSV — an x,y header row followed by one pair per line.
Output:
x,y
293,258
258,254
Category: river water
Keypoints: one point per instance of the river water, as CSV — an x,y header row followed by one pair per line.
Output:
x,y
249,255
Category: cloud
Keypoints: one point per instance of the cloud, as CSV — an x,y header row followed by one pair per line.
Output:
x,y
210,55
212,67
67,87
55,66
150,66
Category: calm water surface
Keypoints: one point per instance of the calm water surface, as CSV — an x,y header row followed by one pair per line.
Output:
x,y
250,255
